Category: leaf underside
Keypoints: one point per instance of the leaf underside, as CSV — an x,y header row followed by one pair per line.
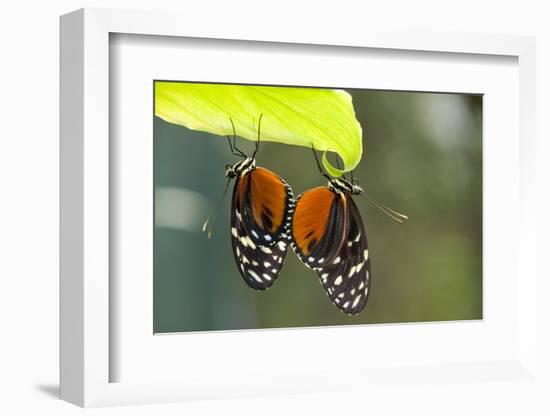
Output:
x,y
323,118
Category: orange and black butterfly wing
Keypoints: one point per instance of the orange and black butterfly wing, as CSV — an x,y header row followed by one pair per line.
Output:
x,y
319,226
347,278
266,203
260,217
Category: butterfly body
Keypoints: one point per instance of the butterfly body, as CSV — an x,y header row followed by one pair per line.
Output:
x,y
329,237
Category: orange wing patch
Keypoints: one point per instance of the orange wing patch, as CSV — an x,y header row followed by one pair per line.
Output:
x,y
269,197
311,217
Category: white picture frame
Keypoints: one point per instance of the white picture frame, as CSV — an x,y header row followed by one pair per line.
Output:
x,y
87,356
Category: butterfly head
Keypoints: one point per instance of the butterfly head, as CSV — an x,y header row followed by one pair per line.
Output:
x,y
342,185
240,168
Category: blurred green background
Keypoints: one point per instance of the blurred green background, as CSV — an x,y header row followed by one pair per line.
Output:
x,y
422,156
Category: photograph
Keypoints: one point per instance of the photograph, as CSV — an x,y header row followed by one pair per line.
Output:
x,y
292,206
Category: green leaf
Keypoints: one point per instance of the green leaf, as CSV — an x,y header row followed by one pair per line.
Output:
x,y
324,118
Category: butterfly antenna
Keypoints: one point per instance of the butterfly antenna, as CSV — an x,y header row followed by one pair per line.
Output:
x,y
213,214
396,216
321,171
258,141
230,145
234,147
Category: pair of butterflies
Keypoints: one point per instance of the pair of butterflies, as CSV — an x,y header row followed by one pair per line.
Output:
x,y
323,226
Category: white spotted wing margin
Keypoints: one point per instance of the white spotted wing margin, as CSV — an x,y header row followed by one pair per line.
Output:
x,y
347,277
259,264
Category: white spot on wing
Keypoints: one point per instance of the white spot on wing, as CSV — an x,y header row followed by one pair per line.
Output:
x,y
234,232
250,243
336,260
255,276
338,280
266,250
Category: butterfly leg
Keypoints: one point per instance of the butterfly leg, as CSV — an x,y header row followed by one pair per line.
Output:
x,y
258,141
321,171
234,149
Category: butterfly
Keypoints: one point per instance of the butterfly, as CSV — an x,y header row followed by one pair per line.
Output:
x,y
261,209
329,236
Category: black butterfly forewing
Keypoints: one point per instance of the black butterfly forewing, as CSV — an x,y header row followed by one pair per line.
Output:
x,y
260,218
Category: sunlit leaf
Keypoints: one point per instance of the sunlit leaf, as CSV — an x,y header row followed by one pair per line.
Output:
x,y
324,118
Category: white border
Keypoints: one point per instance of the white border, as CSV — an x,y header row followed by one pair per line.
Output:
x,y
85,203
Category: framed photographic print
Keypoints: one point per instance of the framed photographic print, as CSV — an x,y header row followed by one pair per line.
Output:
x,y
317,208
